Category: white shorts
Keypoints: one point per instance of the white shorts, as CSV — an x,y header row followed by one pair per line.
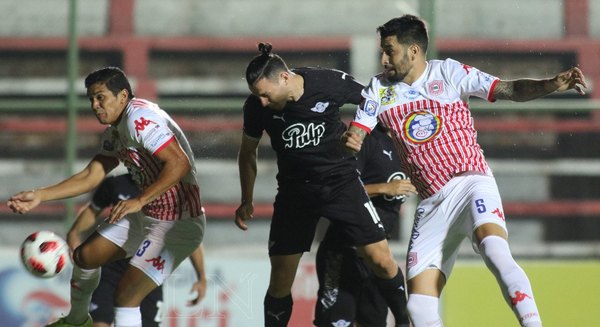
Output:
x,y
155,246
445,219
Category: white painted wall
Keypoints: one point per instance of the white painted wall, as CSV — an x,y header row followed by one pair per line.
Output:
x,y
46,18
507,19
516,19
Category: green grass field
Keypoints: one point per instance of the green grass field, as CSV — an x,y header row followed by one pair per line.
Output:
x,y
567,294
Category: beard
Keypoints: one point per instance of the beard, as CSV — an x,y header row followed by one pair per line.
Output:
x,y
394,76
399,71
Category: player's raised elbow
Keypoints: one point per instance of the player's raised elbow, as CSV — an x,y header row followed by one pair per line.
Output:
x,y
185,165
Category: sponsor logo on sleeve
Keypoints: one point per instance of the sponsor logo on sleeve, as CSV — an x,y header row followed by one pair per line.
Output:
x,y
370,107
159,139
485,77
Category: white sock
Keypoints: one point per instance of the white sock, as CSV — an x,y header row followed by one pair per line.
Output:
x,y
424,310
128,317
83,284
513,281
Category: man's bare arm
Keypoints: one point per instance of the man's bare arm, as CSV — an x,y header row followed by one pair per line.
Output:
x,y
528,89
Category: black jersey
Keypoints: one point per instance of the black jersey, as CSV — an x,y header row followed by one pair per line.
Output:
x,y
378,162
306,134
114,189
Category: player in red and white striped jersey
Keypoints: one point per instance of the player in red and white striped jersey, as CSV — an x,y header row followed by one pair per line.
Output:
x,y
146,130
425,103
158,229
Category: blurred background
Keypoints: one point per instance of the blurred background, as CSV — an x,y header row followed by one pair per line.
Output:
x,y
190,56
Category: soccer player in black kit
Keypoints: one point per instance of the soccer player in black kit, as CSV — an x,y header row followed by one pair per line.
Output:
x,y
347,293
299,110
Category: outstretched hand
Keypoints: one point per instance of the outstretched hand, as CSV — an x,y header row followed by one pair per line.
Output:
x,y
571,79
23,202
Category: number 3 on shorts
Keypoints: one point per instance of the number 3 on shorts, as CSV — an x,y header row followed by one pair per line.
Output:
x,y
143,248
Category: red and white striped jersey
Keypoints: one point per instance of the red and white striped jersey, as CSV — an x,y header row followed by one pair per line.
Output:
x,y
432,124
143,131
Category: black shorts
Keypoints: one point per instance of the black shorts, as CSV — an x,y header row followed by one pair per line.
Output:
x,y
347,292
341,199
102,307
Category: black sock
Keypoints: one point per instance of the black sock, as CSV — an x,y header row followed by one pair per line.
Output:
x,y
277,310
394,293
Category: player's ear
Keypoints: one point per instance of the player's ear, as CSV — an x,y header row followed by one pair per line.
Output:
x,y
123,96
284,76
414,50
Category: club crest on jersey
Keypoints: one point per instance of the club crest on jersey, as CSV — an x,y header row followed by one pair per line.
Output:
x,y
387,96
370,107
436,87
421,127
341,323
320,107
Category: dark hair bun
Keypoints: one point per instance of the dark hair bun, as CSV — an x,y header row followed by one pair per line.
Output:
x,y
265,48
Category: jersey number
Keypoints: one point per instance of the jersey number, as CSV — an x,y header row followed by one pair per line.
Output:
x,y
143,248
480,206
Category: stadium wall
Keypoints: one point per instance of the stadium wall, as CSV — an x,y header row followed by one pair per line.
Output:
x,y
240,18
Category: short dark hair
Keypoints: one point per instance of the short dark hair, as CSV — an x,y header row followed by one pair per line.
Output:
x,y
408,29
267,65
114,79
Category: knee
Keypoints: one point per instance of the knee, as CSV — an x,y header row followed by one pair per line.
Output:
x,y
423,310
495,251
281,283
80,259
494,246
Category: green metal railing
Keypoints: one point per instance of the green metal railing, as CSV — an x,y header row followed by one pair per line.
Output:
x,y
71,105
234,104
